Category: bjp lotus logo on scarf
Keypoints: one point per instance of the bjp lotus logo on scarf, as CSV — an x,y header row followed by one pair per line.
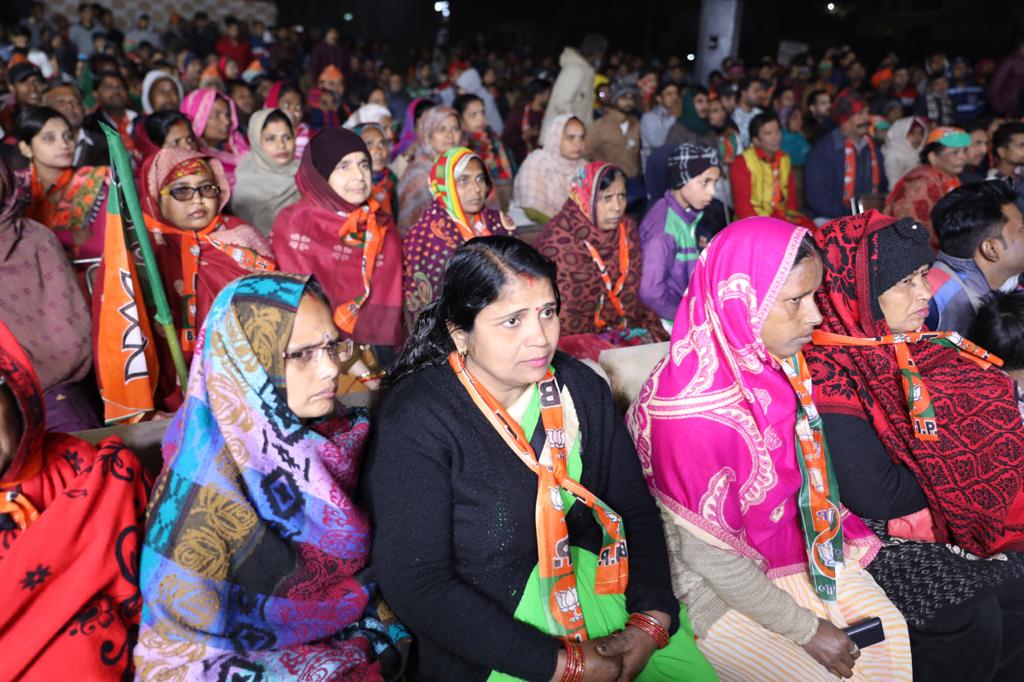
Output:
x,y
556,438
826,554
566,607
556,498
569,602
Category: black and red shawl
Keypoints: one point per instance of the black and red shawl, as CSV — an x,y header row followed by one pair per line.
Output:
x,y
973,475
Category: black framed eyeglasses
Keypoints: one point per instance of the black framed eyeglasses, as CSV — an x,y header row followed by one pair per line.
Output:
x,y
339,351
185,193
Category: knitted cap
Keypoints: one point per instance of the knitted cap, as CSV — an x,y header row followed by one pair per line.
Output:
x,y
331,145
623,89
688,161
897,250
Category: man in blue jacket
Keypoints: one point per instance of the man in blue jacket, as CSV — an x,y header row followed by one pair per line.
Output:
x,y
845,163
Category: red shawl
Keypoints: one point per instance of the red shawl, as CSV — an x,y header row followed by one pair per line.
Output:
x,y
306,240
70,579
973,476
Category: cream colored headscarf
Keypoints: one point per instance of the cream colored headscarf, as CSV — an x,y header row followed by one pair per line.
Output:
x,y
263,187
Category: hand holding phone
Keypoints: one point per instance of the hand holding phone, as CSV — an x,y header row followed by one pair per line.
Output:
x,y
833,649
866,632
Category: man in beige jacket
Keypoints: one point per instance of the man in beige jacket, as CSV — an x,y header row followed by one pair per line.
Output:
x,y
615,137
573,92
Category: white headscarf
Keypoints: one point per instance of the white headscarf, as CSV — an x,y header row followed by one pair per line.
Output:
x,y
899,155
262,186
543,180
368,113
150,80
469,81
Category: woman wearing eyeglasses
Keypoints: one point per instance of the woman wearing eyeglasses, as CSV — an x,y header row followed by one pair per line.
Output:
x,y
198,249
253,541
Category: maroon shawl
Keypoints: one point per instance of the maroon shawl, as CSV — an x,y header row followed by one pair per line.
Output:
x,y
973,476
306,240
581,287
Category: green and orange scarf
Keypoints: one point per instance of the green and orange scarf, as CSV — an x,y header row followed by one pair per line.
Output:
x,y
919,400
555,567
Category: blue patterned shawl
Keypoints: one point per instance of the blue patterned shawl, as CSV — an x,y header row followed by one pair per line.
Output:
x,y
253,541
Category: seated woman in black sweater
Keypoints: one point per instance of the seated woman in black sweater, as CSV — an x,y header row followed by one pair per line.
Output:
x,y
513,530
928,448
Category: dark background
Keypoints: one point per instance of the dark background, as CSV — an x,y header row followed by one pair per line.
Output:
x,y
911,27
970,28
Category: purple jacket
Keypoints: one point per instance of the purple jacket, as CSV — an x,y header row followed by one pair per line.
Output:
x,y
668,259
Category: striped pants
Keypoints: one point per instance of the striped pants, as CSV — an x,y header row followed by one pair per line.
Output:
x,y
741,650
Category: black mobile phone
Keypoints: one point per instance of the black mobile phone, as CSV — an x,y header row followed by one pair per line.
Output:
x,y
866,632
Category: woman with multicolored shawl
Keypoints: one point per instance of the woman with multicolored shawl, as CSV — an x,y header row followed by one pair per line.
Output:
x,y
338,232
767,561
486,144
198,249
253,542
70,201
460,184
436,132
512,530
597,249
71,519
215,122
928,446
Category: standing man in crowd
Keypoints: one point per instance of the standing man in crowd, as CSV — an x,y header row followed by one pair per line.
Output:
x,y
573,92
844,164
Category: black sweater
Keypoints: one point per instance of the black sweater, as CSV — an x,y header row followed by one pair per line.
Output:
x,y
453,517
871,484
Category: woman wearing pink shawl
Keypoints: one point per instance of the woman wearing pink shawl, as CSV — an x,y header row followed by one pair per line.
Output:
x,y
731,444
215,123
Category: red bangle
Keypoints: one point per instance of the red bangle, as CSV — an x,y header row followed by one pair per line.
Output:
x,y
650,626
574,666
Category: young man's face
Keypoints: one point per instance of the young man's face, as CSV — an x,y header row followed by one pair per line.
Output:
x,y
1013,152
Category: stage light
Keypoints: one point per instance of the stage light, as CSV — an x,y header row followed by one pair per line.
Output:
x,y
690,57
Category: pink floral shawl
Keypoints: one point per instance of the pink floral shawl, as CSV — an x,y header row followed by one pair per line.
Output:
x,y
715,423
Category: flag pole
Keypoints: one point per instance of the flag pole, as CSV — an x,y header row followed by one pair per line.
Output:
x,y
124,185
